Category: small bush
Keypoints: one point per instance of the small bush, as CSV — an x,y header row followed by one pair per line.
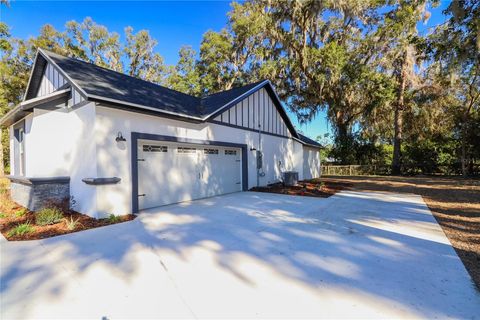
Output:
x,y
3,215
21,229
48,216
113,218
71,223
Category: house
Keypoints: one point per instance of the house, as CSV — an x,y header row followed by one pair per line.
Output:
x,y
118,144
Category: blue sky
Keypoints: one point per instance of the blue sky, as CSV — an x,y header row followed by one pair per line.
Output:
x,y
173,24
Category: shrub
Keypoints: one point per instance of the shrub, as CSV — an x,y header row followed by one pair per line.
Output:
x,y
20,212
113,218
71,223
48,216
20,229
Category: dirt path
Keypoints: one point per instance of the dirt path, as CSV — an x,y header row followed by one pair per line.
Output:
x,y
455,203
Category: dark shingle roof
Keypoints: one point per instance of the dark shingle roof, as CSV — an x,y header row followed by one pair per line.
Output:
x,y
309,141
105,83
213,102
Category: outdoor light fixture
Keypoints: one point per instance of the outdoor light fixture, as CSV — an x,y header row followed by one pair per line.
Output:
x,y
120,137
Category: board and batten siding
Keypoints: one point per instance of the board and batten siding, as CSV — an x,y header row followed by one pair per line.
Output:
x,y
257,111
52,80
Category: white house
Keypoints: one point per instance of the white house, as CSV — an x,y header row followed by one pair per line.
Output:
x,y
118,144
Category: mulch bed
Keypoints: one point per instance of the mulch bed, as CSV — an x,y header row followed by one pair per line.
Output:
x,y
308,188
9,220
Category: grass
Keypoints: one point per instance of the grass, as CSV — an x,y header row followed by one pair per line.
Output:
x,y
113,218
20,212
48,216
71,223
21,229
453,201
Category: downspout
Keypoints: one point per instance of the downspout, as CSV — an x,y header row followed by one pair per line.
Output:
x,y
259,154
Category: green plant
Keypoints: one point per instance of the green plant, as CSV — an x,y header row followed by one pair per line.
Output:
x,y
21,229
20,212
72,223
113,218
48,216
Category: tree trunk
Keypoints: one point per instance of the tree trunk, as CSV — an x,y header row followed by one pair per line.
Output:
x,y
2,164
464,151
398,121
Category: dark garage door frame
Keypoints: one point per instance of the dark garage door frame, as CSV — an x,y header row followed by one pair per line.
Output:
x,y
155,137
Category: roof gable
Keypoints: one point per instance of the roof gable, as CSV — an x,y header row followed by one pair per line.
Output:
x,y
99,84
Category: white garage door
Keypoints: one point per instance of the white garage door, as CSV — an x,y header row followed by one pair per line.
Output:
x,y
175,172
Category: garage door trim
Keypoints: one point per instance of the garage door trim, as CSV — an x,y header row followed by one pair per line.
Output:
x,y
148,136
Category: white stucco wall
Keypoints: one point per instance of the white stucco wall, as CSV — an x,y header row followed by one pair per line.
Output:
x,y
62,143
80,143
113,158
311,163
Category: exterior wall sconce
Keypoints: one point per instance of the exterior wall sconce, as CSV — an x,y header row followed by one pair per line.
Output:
x,y
120,137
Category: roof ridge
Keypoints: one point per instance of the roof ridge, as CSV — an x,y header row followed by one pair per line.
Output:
x,y
253,84
120,73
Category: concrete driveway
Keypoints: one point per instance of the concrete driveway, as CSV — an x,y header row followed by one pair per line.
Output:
x,y
247,255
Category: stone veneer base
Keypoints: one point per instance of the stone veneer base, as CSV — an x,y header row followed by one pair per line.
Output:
x,y
36,193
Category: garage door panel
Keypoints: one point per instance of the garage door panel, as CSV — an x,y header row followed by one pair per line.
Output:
x,y
170,173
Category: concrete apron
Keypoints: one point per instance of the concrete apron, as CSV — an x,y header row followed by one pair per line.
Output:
x,y
247,255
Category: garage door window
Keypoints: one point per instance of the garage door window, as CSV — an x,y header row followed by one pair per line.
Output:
x,y
210,151
151,148
186,150
230,152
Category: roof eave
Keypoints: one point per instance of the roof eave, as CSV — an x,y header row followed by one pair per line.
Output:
x,y
25,107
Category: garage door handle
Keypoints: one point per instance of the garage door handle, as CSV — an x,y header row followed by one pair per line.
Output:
x,y
142,195
140,159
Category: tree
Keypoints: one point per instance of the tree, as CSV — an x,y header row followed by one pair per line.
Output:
x,y
185,77
228,58
400,37
456,51
317,63
143,62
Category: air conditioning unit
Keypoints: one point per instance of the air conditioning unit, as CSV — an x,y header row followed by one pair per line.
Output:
x,y
290,178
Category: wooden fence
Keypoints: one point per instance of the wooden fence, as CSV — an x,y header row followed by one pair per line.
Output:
x,y
363,170
353,170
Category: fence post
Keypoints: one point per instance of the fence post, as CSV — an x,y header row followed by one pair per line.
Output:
x,y
350,169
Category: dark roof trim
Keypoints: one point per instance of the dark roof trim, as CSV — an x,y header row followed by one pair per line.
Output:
x,y
139,106
306,141
155,113
24,108
32,103
273,95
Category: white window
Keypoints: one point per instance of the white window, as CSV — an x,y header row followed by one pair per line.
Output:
x,y
210,151
186,150
230,152
152,148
